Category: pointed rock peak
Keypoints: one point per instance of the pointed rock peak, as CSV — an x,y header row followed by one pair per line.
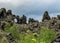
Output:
x,y
3,9
46,16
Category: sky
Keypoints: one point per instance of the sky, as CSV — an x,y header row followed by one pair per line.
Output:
x,y
32,8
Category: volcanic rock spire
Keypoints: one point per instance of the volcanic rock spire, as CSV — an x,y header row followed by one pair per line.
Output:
x,y
46,16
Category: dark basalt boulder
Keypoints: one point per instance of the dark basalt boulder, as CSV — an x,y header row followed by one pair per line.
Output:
x,y
23,20
58,16
10,38
9,12
46,16
3,9
2,12
31,20
18,19
3,26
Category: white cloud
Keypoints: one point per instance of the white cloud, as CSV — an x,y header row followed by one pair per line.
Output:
x,y
4,1
20,2
15,2
48,1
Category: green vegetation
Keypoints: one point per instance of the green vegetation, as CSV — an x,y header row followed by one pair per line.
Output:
x,y
4,40
45,36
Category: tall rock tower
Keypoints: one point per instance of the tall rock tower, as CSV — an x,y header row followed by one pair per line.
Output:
x,y
46,16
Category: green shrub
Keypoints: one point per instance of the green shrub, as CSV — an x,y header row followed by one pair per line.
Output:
x,y
4,40
7,27
27,38
15,32
47,35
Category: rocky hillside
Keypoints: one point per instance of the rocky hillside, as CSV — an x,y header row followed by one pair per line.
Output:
x,y
6,17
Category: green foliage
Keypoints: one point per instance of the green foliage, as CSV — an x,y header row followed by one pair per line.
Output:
x,y
7,27
15,32
27,38
46,35
4,40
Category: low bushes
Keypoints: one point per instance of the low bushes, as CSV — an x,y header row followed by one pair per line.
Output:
x,y
45,36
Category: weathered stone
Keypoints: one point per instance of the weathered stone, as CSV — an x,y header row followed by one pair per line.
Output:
x,y
18,19
46,16
3,9
23,20
9,12
58,16
2,12
31,20
10,38
9,18
3,25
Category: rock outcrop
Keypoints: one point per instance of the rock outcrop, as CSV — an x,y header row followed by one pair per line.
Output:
x,y
32,25
46,16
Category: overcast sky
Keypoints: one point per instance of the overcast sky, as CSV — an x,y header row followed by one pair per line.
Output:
x,y
32,8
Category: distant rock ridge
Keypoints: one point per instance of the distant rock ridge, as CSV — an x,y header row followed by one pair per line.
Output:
x,y
47,21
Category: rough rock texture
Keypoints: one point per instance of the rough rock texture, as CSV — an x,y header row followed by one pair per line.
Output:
x,y
31,20
2,12
33,25
46,16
